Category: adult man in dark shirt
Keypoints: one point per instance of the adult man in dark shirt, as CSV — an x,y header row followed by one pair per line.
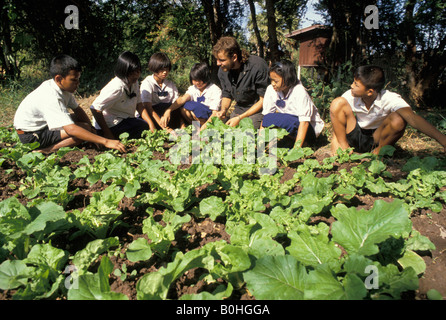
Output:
x,y
243,78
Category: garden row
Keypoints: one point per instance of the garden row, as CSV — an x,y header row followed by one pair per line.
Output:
x,y
199,229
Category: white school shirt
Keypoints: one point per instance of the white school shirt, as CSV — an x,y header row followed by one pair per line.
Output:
x,y
211,94
115,104
45,106
385,103
297,102
150,90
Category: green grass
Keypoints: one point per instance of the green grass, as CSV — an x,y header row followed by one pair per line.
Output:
x,y
12,92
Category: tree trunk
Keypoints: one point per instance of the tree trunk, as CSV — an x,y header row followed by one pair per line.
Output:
x,y
7,58
256,28
423,69
215,31
272,32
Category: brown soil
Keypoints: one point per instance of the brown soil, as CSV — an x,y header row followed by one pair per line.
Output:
x,y
198,232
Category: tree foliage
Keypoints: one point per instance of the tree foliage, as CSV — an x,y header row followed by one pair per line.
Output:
x,y
409,42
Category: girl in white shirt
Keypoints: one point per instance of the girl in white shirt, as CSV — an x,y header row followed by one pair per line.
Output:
x,y
202,100
158,93
118,108
287,105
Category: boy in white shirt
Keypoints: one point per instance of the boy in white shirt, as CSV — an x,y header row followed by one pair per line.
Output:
x,y
368,117
43,115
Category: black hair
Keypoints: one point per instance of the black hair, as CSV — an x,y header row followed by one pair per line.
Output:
x,y
62,65
127,63
287,71
372,77
200,71
159,61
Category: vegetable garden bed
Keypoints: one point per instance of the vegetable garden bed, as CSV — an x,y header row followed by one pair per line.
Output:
x,y
89,224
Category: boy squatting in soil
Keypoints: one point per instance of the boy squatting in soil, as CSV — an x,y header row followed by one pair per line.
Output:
x,y
43,115
367,117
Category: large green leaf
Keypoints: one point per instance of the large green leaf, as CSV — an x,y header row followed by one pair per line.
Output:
x,y
95,286
322,284
139,250
13,274
312,248
360,230
281,278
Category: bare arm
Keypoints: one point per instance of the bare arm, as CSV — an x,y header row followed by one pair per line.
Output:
x,y
225,104
177,104
99,117
142,110
422,125
302,132
81,115
74,130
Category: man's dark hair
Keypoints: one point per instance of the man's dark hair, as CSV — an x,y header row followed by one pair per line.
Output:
x,y
127,63
62,65
287,71
372,77
159,61
200,72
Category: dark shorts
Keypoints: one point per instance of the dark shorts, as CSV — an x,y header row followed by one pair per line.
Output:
x,y
256,117
45,137
288,122
134,127
200,110
175,116
361,139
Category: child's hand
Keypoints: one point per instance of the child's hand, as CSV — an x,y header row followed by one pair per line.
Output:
x,y
221,114
115,144
165,119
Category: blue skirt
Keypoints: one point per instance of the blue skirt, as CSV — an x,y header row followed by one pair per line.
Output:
x,y
200,110
282,120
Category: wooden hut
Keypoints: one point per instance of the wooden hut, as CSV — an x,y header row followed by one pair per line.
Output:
x,y
312,42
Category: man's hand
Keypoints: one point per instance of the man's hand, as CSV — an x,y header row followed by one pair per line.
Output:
x,y
233,122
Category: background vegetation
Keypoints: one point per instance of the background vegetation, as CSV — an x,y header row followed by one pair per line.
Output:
x,y
409,42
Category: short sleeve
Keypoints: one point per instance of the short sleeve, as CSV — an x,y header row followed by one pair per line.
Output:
x,y
56,114
269,105
106,98
146,91
214,98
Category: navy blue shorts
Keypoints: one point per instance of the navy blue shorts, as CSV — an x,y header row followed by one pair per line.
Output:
x,y
288,122
361,139
45,137
200,110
